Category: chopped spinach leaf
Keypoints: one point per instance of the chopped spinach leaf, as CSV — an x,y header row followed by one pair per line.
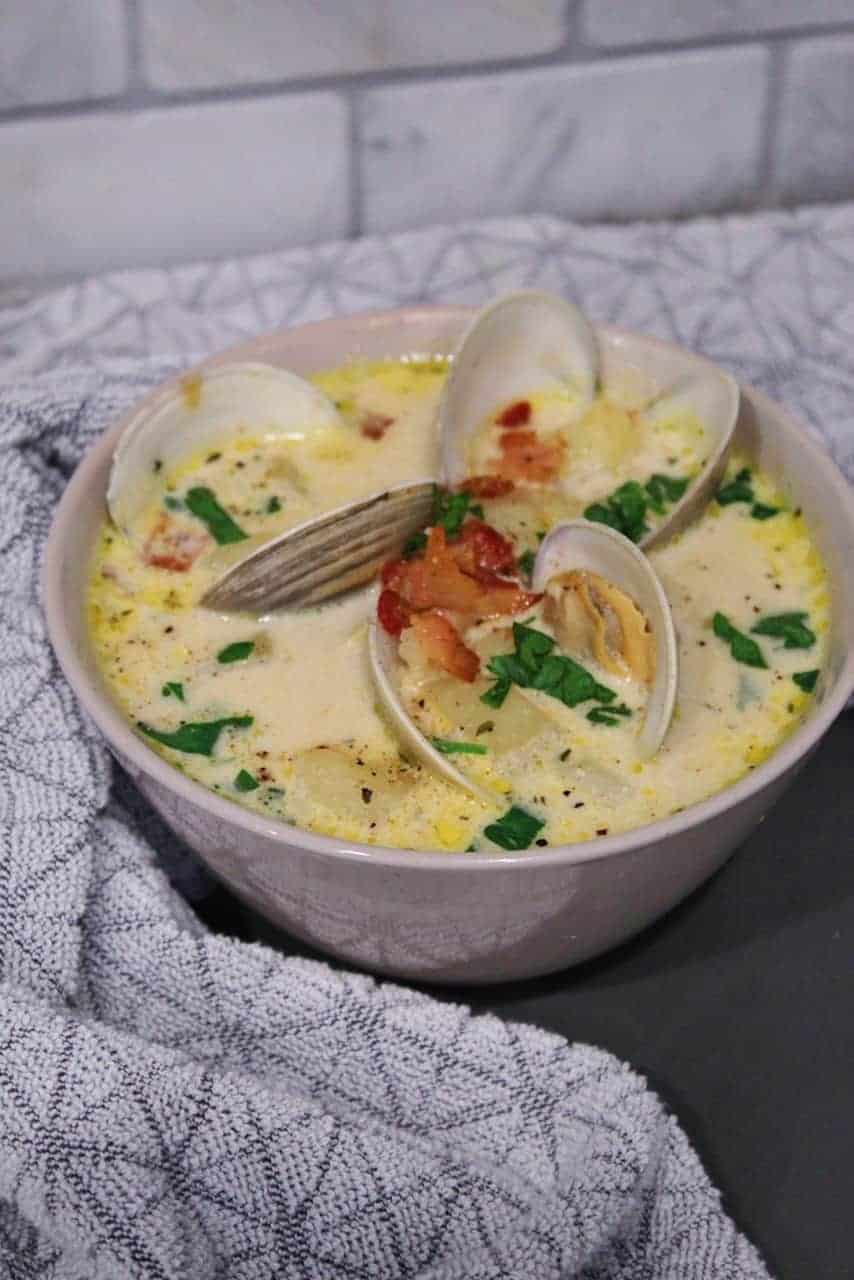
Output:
x,y
760,511
236,652
526,563
173,689
516,829
806,680
449,747
204,506
274,504
738,490
788,627
742,648
412,545
197,738
245,782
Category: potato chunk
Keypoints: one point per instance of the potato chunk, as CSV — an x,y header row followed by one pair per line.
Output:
x,y
333,779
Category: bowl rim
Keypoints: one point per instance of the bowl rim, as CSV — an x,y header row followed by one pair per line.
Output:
x,y
141,758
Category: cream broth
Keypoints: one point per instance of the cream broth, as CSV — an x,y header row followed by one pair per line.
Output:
x,y
279,713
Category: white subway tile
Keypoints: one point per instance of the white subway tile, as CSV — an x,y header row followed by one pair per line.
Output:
x,y
607,22
56,51
814,157
636,138
190,44
171,185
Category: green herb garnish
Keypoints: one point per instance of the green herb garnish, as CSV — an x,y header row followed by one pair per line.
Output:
x,y
662,490
173,689
417,542
245,782
788,627
172,504
516,829
526,563
450,510
236,652
806,680
274,504
204,506
626,508
608,715
198,738
533,665
449,747
760,511
738,490
742,648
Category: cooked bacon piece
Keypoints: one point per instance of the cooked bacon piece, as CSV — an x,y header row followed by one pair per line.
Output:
x,y
438,582
392,612
173,546
488,486
393,574
442,645
480,547
374,425
515,415
527,457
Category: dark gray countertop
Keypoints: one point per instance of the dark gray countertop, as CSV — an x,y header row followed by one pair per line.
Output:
x,y
739,1008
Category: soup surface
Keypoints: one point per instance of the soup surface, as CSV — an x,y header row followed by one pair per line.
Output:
x,y
279,713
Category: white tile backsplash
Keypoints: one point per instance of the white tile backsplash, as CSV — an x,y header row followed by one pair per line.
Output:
x,y
154,186
191,44
612,22
637,138
57,51
815,144
148,131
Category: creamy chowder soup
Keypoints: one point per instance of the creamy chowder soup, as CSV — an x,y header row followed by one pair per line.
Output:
x,y
536,698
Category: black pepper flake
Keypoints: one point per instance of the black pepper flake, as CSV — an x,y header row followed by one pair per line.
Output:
x,y
579,804
568,793
542,843
367,795
213,457
157,465
602,831
240,465
564,755
167,631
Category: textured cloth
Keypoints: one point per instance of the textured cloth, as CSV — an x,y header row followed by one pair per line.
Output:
x,y
175,1104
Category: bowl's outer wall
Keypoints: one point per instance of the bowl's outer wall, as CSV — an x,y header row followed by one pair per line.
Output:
x,y
438,918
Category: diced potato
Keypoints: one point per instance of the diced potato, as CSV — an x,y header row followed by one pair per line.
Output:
x,y
514,723
332,779
606,435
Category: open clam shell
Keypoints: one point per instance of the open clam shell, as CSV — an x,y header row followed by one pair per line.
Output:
x,y
202,410
581,545
713,397
523,343
382,652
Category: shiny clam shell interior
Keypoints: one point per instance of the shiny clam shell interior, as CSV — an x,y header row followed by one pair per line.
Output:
x,y
382,652
200,411
524,342
582,545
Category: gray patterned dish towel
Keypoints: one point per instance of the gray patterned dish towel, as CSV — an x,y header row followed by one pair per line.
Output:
x,y
174,1104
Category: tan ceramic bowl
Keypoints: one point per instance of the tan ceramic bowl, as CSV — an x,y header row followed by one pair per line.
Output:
x,y
460,917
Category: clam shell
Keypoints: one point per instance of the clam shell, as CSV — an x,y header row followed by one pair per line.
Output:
x,y
201,411
580,544
383,658
523,343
